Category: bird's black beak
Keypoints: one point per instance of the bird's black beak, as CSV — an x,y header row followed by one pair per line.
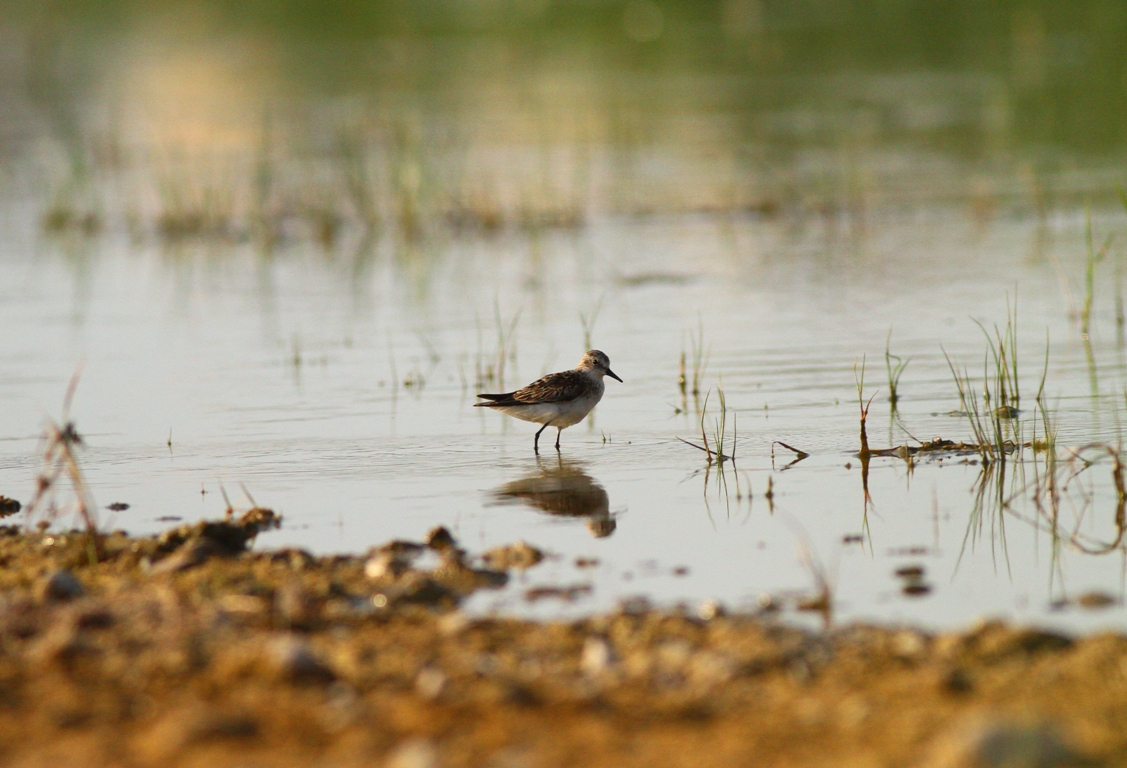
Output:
x,y
612,375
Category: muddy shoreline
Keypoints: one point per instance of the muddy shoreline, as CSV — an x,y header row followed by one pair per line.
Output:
x,y
191,648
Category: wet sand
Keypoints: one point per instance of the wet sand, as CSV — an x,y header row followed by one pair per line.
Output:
x,y
189,649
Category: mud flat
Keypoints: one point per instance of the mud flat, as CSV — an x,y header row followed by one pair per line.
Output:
x,y
191,649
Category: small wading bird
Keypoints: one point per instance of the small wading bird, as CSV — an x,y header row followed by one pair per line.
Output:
x,y
558,399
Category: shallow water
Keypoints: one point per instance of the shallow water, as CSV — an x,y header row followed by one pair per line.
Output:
x,y
335,379
206,356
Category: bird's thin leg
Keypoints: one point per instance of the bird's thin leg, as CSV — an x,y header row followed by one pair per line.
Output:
x,y
559,431
536,442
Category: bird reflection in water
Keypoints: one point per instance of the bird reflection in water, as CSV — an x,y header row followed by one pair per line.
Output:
x,y
561,488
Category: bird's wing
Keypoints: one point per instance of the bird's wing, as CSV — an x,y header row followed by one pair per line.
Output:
x,y
561,387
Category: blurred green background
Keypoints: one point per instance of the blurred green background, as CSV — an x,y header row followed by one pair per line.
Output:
x,y
224,118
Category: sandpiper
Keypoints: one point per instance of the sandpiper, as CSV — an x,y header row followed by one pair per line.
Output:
x,y
558,399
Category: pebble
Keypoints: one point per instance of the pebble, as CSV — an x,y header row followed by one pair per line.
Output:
x,y
413,753
385,564
62,585
710,609
440,538
597,657
908,644
294,660
1095,600
430,682
520,555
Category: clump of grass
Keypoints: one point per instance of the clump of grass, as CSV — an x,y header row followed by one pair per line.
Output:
x,y
1002,347
986,426
992,416
60,460
859,377
895,371
65,215
588,322
718,442
357,176
490,368
193,206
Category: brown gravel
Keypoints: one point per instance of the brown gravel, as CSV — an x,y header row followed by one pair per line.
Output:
x,y
188,650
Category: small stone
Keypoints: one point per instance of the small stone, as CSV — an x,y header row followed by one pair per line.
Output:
x,y
712,668
429,682
1094,600
635,606
218,726
916,589
60,644
956,680
413,753
385,565
520,555
767,602
597,657
62,585
187,556
908,644
440,538
294,660
453,623
710,609
8,506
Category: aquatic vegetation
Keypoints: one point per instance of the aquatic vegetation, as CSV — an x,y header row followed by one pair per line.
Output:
x,y
715,444
588,320
61,441
689,381
895,367
1093,259
489,367
992,416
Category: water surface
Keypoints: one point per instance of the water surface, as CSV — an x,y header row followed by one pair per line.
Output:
x,y
302,296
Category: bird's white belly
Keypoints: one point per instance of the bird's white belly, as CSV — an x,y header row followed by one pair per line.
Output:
x,y
559,415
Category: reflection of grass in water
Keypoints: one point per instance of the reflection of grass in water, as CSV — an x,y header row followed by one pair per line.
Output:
x,y
1061,492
